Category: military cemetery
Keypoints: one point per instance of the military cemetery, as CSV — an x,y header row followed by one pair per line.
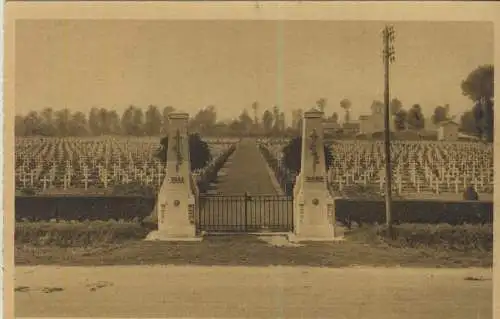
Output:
x,y
315,180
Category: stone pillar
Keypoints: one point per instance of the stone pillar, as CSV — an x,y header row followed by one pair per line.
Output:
x,y
175,205
314,211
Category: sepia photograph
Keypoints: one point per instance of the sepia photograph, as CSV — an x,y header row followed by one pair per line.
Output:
x,y
256,167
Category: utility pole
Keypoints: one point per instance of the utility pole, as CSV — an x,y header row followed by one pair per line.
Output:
x,y
389,57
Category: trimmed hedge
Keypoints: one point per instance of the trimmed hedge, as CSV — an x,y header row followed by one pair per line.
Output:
x,y
37,208
415,211
77,234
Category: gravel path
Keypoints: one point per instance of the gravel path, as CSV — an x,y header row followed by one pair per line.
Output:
x,y
252,292
245,171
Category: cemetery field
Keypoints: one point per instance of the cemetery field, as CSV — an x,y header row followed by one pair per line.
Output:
x,y
421,169
93,165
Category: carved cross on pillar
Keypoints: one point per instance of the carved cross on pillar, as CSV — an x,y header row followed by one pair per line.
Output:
x,y
314,149
178,148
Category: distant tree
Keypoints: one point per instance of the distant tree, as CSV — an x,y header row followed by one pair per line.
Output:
x,y
282,124
79,125
19,126
255,108
346,104
415,118
127,121
246,122
395,106
132,121
400,119
267,121
204,120
276,114
104,121
479,83
335,117
292,155
113,121
198,149
468,123
34,124
95,122
440,114
153,121
48,122
484,119
300,116
295,119
138,122
479,88
321,104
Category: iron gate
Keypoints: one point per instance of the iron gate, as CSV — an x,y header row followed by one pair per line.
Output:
x,y
245,213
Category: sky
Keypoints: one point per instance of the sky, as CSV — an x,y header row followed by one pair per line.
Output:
x,y
80,64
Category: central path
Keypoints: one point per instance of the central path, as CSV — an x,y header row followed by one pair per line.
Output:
x,y
246,171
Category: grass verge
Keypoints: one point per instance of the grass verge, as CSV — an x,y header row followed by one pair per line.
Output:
x,y
77,234
461,238
113,243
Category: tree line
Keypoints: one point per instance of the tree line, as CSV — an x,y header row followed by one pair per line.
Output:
x,y
153,121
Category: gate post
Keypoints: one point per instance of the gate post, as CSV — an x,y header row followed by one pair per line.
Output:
x,y
175,204
314,211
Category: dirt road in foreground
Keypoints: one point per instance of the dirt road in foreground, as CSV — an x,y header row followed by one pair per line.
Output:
x,y
256,292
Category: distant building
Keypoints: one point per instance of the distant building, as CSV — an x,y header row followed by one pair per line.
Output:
x,y
429,125
331,126
448,131
374,122
351,128
364,124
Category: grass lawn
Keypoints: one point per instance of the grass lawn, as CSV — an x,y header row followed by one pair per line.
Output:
x,y
362,246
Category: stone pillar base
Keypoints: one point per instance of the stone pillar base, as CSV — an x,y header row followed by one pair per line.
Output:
x,y
157,235
317,234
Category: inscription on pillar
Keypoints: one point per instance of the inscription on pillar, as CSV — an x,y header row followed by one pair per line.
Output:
x,y
191,214
162,213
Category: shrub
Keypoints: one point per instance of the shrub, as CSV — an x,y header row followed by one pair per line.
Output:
x,y
470,194
77,234
292,154
198,149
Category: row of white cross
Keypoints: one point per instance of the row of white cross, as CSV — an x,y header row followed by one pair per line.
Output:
x,y
149,175
418,173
